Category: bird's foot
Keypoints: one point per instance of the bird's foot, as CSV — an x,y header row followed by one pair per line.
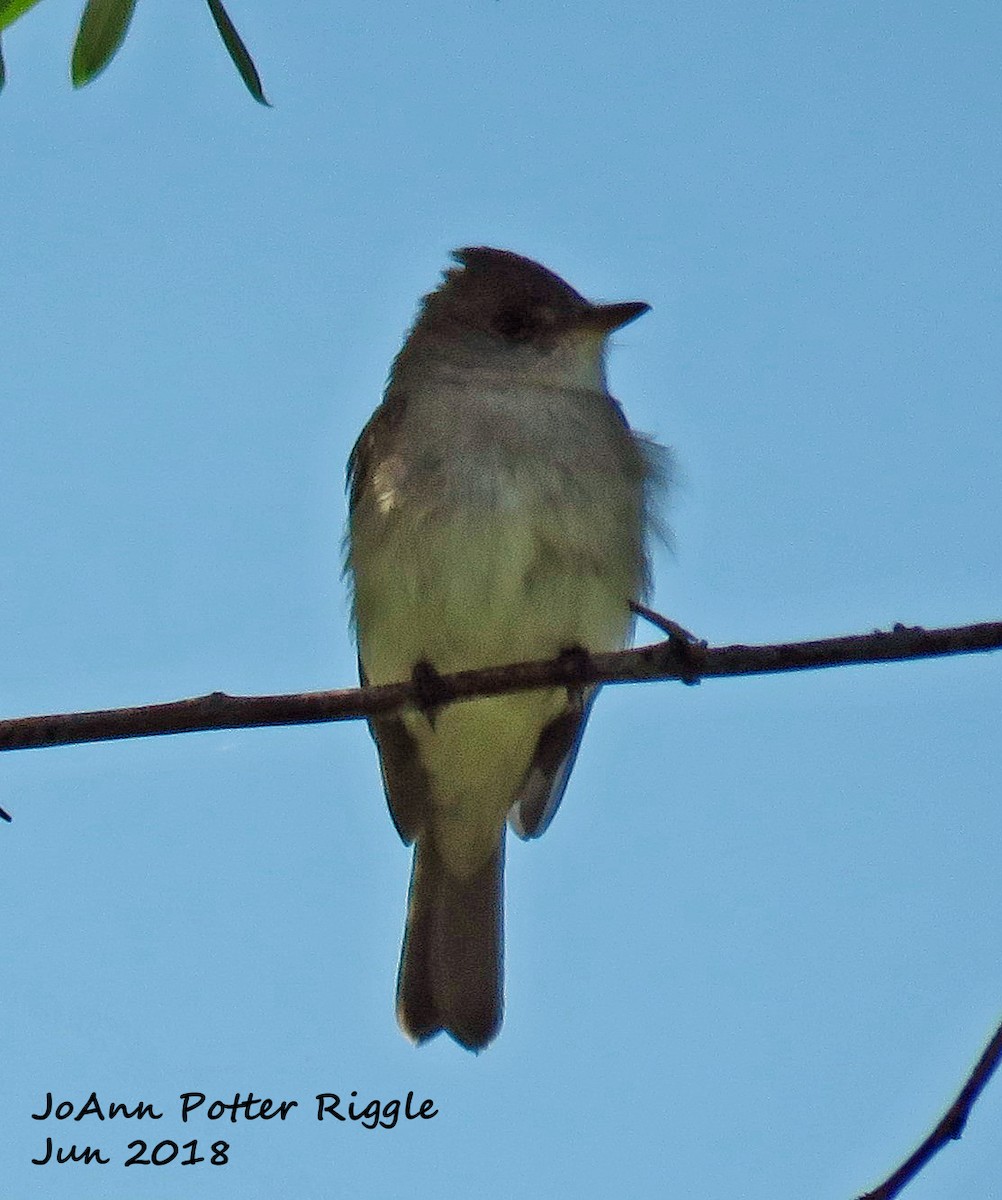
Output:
x,y
430,689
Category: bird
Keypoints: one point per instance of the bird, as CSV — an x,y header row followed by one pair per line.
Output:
x,y
500,510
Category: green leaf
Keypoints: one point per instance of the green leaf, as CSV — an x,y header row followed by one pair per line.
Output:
x,y
237,51
10,10
3,70
102,30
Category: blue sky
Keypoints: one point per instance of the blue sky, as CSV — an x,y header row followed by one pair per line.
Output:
x,y
761,944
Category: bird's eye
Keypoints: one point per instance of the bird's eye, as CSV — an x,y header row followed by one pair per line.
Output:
x,y
515,324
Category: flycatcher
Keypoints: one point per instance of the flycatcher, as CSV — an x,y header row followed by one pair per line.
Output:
x,y
500,506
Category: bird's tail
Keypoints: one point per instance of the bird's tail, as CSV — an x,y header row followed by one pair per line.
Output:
x,y
451,962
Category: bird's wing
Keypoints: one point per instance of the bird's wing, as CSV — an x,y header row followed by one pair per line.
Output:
x,y
543,787
405,780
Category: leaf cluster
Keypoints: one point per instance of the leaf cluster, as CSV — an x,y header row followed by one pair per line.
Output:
x,y
102,30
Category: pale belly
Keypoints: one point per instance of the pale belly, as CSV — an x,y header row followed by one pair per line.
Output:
x,y
484,590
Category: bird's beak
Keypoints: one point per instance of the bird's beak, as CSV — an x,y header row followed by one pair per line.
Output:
x,y
604,318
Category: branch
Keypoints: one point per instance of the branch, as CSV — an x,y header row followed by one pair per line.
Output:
x,y
951,1126
676,658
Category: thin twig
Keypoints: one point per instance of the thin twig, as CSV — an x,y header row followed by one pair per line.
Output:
x,y
661,661
951,1126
